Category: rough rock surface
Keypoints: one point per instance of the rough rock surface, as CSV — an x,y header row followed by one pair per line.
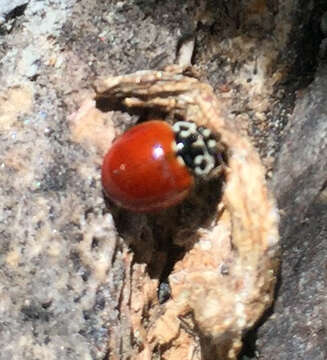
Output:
x,y
300,312
64,258
9,7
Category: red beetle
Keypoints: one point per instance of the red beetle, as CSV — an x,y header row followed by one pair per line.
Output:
x,y
153,164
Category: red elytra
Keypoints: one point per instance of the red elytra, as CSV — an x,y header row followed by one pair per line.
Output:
x,y
141,171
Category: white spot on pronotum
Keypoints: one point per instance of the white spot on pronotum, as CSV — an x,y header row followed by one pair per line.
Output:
x,y
209,164
206,132
212,143
184,128
200,143
179,146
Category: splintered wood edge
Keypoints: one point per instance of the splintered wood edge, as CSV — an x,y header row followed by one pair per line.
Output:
x,y
253,212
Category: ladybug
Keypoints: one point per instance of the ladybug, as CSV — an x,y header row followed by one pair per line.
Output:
x,y
153,165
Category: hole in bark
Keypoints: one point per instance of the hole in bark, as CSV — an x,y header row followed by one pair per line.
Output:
x,y
162,239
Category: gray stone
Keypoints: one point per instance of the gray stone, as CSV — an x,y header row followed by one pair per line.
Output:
x,y
298,327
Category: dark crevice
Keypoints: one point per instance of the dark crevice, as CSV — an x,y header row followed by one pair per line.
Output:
x,y
106,102
304,46
16,12
249,340
156,245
